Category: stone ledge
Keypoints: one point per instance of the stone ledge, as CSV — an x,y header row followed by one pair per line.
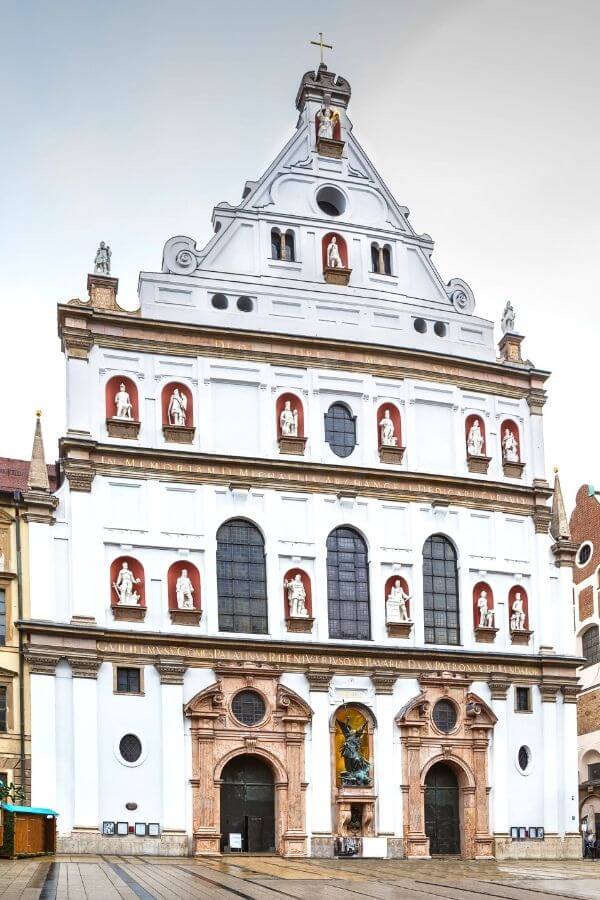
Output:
x,y
551,847
329,147
293,446
185,616
399,629
129,613
513,469
96,843
485,634
393,456
300,624
123,428
478,464
179,434
336,276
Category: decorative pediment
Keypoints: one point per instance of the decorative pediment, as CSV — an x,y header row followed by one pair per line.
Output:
x,y
291,704
6,518
478,711
208,702
416,709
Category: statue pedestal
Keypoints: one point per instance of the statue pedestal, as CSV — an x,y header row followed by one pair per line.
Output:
x,y
293,446
399,629
102,291
329,147
179,434
510,347
123,428
355,805
393,456
484,634
520,636
513,469
300,624
185,616
131,613
336,276
478,464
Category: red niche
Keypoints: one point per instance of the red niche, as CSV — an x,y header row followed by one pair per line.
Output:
x,y
295,403
514,430
173,574
113,386
138,573
403,584
337,128
479,587
469,422
289,576
396,421
167,393
341,245
512,596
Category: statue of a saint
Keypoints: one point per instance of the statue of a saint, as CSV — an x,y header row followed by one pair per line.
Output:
x,y
334,260
386,431
517,619
327,118
124,587
123,405
475,439
508,318
288,420
184,590
296,593
396,603
510,448
357,772
486,615
102,260
177,408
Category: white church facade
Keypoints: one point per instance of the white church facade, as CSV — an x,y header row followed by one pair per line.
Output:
x,y
302,595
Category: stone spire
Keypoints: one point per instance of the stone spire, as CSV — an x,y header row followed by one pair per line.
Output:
x,y
563,548
37,479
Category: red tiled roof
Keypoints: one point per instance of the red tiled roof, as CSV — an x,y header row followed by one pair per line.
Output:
x,y
13,474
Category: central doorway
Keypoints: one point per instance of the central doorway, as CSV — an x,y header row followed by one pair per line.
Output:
x,y
442,821
248,805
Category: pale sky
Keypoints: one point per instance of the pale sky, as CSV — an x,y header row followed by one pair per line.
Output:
x,y
128,120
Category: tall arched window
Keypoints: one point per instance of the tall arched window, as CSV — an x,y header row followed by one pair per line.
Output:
x,y
386,256
282,245
375,257
440,591
340,429
241,578
290,251
590,645
275,243
348,585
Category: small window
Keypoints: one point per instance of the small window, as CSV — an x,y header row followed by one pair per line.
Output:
x,y
331,201
444,715
220,301
523,699
2,616
590,645
3,708
594,772
375,258
128,681
386,257
245,304
584,554
275,243
130,748
340,429
524,758
289,248
248,707
420,325
440,329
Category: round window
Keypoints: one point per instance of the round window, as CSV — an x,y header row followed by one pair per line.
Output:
x,y
584,554
420,325
220,301
331,201
440,329
444,715
130,748
248,707
524,758
245,304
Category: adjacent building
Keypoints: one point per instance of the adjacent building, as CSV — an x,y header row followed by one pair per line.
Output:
x,y
301,594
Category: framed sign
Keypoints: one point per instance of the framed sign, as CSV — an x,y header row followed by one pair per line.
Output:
x,y
540,834
532,832
140,829
122,828
522,834
153,829
108,828
235,841
514,833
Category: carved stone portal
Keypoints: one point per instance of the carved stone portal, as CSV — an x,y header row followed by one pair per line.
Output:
x,y
463,747
278,739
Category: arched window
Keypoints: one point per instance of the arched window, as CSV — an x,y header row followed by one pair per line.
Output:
x,y
381,259
241,578
340,429
375,257
282,245
275,243
348,585
289,249
386,256
590,645
440,591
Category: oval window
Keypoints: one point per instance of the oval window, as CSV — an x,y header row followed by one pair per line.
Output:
x,y
331,201
130,748
444,715
248,707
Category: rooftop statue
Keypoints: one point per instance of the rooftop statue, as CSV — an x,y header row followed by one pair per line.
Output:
x,y
102,260
508,318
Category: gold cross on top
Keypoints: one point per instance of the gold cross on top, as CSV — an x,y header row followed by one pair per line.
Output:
x,y
323,46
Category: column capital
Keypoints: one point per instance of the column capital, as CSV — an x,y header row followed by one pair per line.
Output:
x,y
171,671
549,691
40,662
384,681
570,692
319,680
84,666
498,686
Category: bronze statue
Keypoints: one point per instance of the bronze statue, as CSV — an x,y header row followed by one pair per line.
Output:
x,y
357,772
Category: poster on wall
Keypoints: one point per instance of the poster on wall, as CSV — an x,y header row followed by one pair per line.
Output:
x,y
108,828
235,841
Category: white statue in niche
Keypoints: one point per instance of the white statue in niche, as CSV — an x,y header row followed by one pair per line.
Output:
x,y
475,439
123,407
396,603
517,619
296,593
326,119
177,408
288,420
510,448
486,615
386,431
334,260
184,591
124,586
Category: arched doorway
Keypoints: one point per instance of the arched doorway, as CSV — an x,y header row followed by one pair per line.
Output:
x,y
248,805
442,820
